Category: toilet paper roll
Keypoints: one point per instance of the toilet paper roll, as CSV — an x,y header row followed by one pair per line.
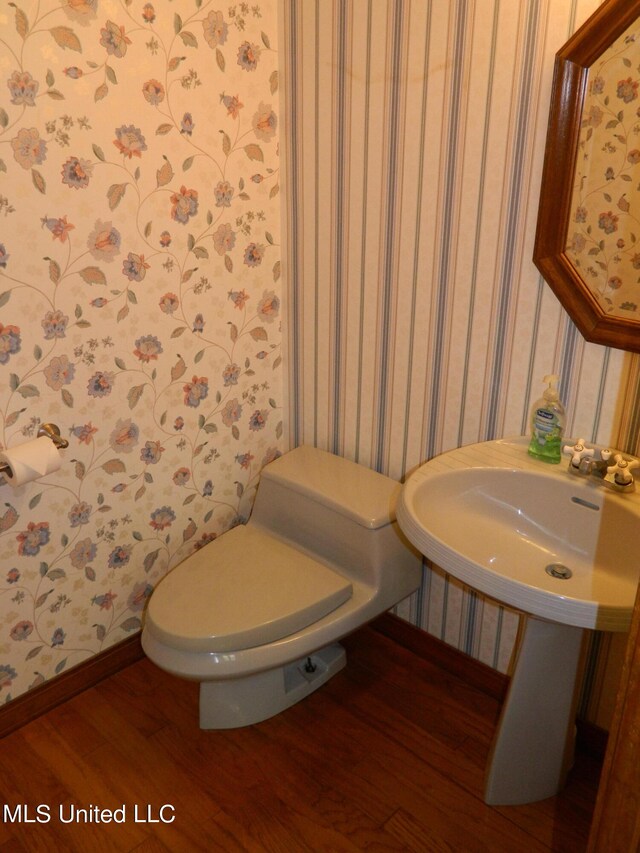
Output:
x,y
30,460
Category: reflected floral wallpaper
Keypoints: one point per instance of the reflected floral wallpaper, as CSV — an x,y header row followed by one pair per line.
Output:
x,y
603,243
139,303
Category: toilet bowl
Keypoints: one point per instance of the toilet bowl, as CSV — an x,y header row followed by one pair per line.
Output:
x,y
255,615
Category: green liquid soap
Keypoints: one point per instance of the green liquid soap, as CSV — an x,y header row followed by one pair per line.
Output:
x,y
549,451
547,425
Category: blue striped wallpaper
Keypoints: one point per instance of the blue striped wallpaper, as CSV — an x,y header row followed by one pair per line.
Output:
x,y
413,134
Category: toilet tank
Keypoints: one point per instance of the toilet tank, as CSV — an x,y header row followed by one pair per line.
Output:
x,y
339,511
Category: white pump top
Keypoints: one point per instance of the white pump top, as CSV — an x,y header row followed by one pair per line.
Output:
x,y
551,393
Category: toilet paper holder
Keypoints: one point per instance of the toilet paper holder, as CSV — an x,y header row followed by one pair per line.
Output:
x,y
52,431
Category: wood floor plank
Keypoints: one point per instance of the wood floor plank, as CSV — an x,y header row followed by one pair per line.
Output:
x,y
270,781
375,720
442,809
324,817
23,776
152,845
388,755
414,835
12,845
414,679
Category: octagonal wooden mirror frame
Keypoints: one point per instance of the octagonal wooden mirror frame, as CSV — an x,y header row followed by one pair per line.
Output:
x,y
570,84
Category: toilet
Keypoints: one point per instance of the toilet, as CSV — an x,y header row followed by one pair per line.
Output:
x,y
256,614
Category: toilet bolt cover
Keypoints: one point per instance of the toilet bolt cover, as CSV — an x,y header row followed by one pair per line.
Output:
x,y
244,589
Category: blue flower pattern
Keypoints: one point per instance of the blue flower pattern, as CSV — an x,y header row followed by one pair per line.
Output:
x,y
139,304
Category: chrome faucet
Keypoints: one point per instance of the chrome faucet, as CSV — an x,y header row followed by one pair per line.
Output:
x,y
615,474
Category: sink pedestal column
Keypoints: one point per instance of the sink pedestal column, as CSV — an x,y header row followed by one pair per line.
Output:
x,y
533,746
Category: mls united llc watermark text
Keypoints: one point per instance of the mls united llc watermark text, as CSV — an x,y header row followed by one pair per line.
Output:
x,y
71,813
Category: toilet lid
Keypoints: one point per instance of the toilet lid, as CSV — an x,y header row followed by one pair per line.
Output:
x,y
244,589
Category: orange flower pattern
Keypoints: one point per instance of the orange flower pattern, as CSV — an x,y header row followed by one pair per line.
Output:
x,y
139,303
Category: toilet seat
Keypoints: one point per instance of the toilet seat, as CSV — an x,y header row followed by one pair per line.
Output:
x,y
242,590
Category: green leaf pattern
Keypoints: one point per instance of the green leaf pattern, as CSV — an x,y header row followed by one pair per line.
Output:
x,y
139,304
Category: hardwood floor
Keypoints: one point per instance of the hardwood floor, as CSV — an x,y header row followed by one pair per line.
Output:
x,y
389,755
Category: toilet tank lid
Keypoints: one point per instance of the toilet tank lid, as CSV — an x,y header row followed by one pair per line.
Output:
x,y
361,494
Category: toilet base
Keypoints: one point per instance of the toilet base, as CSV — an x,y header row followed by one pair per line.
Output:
x,y
237,702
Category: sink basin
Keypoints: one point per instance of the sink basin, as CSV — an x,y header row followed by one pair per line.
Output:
x,y
558,547
511,526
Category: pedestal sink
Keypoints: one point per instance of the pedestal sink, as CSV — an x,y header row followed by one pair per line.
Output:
x,y
560,548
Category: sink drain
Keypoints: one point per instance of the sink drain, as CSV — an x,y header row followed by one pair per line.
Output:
x,y
558,570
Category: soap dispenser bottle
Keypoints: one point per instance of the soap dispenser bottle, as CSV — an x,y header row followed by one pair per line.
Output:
x,y
547,424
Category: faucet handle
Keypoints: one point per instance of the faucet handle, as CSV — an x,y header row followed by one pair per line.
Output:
x,y
578,452
621,470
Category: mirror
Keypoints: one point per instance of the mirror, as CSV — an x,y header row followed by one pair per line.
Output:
x,y
587,243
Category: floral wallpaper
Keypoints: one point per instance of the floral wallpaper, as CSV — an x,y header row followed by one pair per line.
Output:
x,y
603,243
139,303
